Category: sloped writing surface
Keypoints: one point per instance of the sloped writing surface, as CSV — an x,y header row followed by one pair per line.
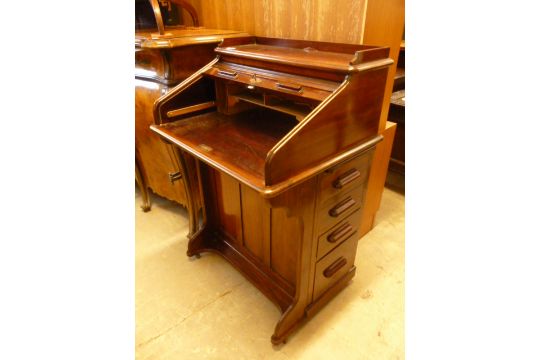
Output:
x,y
236,144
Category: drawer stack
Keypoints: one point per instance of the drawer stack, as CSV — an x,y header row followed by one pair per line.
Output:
x,y
339,205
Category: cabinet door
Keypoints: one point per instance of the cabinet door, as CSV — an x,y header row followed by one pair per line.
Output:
x,y
156,157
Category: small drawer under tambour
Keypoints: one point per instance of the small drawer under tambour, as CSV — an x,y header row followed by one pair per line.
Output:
x,y
300,86
345,230
338,208
344,177
333,266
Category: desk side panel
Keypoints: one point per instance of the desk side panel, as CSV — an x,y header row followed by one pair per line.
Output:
x,y
228,206
256,224
342,121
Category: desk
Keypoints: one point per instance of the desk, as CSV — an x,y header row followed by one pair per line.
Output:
x,y
282,134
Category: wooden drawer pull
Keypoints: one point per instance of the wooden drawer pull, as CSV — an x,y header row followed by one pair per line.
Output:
x,y
287,87
342,207
341,233
346,178
336,265
175,176
232,74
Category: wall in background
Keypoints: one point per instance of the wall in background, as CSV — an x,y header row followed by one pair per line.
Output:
x,y
320,20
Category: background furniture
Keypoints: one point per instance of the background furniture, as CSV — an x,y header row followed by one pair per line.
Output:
x,y
282,135
164,56
396,168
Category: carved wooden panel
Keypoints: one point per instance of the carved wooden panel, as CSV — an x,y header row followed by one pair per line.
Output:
x,y
228,205
256,224
286,232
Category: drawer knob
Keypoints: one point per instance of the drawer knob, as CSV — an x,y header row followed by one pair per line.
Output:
x,y
346,178
344,232
289,87
342,207
336,265
232,74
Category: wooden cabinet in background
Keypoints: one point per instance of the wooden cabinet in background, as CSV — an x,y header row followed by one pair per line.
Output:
x,y
281,134
164,56
396,114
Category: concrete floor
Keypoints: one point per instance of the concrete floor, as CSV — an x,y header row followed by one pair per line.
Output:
x,y
205,309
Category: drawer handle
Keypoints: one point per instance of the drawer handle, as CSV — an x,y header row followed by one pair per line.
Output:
x,y
342,207
232,74
287,87
336,265
341,233
175,176
346,178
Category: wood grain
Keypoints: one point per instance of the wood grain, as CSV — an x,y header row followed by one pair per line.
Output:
x,y
320,20
154,159
385,21
256,224
228,205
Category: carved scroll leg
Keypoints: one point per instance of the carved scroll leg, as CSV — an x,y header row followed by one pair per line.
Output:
x,y
139,178
198,243
289,321
300,206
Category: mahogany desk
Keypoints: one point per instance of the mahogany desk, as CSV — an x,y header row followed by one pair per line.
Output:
x,y
281,133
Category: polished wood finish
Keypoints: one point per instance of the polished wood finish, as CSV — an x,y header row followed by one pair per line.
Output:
x,y
239,142
162,62
274,184
141,183
334,265
352,21
154,155
345,230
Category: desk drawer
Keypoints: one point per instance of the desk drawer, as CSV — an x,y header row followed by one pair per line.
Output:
x,y
344,177
339,207
314,89
333,266
345,230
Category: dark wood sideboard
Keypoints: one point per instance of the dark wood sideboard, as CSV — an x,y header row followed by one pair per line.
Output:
x,y
164,56
281,134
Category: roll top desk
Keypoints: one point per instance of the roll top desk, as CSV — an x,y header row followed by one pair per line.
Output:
x,y
282,134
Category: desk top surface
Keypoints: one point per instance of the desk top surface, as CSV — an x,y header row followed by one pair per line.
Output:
x,y
182,36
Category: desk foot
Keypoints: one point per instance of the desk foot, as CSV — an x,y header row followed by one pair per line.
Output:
x,y
146,207
141,183
288,323
199,242
278,342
